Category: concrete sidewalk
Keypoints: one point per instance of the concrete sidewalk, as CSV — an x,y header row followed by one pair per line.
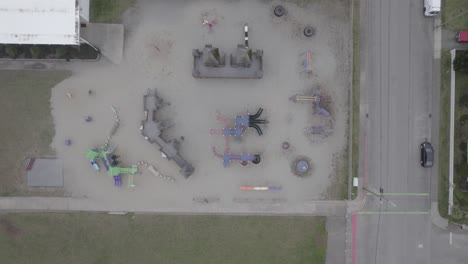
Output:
x,y
336,243
59,204
448,41
108,38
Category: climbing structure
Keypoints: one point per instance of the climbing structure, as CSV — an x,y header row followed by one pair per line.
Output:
x,y
241,125
110,162
243,63
319,107
151,129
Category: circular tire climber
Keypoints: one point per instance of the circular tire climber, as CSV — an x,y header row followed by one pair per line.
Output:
x,y
309,31
301,166
257,159
279,11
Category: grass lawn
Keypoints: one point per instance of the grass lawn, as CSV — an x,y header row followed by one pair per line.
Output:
x,y
356,93
444,132
343,173
338,189
27,127
460,198
108,11
100,238
455,14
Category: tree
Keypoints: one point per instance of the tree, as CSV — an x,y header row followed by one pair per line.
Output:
x,y
460,63
11,51
463,128
463,132
61,51
36,52
464,100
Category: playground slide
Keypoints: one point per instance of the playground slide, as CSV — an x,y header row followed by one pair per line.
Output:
x,y
259,130
94,164
105,164
117,180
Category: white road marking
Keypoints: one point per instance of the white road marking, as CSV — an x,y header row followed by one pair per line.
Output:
x,y
450,238
420,246
437,38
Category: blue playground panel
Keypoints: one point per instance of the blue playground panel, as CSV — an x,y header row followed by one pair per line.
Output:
x,y
242,157
242,122
274,188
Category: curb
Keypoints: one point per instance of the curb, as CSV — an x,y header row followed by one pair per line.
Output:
x,y
436,219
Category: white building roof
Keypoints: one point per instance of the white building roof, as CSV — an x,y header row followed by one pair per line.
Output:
x,y
39,22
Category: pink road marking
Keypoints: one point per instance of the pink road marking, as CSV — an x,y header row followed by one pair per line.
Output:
x,y
363,202
353,249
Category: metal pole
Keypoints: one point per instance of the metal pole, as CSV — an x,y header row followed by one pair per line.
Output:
x,y
246,35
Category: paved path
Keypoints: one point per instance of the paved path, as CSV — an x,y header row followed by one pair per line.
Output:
x,y
448,41
336,228
109,38
266,207
48,65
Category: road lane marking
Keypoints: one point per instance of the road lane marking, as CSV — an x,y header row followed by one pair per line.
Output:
x,y
450,238
393,213
353,245
403,194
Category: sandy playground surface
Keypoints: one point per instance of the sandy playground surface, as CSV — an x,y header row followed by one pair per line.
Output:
x,y
160,37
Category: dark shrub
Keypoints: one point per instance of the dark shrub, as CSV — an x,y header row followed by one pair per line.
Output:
x,y
11,51
464,100
60,51
37,52
460,63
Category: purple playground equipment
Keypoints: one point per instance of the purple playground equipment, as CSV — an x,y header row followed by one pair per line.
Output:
x,y
241,125
243,158
117,180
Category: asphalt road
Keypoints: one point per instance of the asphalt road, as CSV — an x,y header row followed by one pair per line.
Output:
x,y
398,83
